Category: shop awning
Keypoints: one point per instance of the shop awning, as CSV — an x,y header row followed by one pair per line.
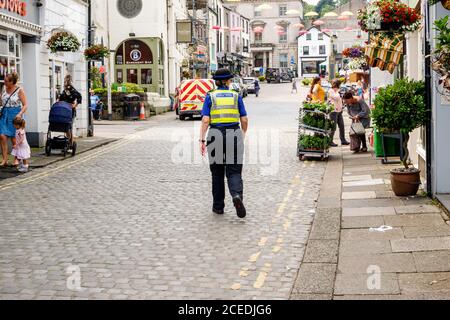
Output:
x,y
384,52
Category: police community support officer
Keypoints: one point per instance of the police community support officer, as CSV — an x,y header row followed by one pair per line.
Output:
x,y
223,111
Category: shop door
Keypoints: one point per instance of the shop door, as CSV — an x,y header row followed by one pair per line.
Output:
x,y
58,71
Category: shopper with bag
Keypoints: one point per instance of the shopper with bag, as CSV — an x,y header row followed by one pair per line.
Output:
x,y
359,112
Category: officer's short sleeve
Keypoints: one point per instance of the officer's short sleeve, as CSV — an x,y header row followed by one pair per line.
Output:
x,y
242,110
206,112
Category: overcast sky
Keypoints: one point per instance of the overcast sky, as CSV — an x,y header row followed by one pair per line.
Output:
x,y
313,2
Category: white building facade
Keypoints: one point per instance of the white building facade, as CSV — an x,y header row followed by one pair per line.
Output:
x,y
25,34
314,50
274,27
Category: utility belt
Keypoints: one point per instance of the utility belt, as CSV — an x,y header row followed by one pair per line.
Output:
x,y
224,128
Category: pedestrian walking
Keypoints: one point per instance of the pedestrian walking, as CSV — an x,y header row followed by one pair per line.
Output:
x,y
359,112
294,86
21,149
317,93
14,106
224,113
336,116
257,88
71,96
96,105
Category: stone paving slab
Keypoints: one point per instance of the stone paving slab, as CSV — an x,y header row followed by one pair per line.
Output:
x,y
327,224
364,183
361,195
362,222
322,251
420,244
388,263
427,231
413,220
348,178
363,247
417,209
368,211
315,278
372,203
377,188
357,284
366,234
425,282
432,261
409,296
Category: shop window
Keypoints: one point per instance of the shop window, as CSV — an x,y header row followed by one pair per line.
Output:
x,y
132,76
146,77
3,43
310,67
161,76
259,60
10,54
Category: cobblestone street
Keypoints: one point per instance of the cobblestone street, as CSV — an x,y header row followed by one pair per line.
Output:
x,y
136,225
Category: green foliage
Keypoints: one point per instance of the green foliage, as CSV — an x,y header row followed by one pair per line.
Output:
x,y
306,82
324,6
400,107
316,142
96,78
318,106
443,38
127,88
318,120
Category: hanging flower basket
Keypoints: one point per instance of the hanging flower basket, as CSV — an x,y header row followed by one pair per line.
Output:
x,y
445,3
63,41
389,16
441,55
96,52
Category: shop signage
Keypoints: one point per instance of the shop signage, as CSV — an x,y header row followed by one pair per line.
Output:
x,y
137,52
184,32
14,6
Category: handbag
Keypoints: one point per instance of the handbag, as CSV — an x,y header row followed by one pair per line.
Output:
x,y
7,101
357,129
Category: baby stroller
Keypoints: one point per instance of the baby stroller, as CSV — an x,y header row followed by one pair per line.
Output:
x,y
61,120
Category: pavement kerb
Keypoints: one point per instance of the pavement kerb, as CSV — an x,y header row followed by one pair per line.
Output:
x,y
328,210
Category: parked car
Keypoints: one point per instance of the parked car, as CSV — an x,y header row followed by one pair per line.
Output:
x,y
250,83
239,86
279,75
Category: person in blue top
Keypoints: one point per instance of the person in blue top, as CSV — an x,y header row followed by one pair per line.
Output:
x,y
95,105
224,114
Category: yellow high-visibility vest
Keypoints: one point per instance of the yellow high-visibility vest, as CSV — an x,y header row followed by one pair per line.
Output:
x,y
225,107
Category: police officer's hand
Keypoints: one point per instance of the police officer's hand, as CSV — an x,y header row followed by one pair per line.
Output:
x,y
203,149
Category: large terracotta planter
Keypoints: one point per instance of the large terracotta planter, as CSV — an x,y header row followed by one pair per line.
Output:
x,y
405,182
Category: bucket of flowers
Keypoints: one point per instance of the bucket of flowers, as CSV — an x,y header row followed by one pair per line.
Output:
x,y
63,41
389,16
96,52
353,52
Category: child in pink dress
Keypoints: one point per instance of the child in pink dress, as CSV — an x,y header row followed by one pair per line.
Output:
x,y
21,150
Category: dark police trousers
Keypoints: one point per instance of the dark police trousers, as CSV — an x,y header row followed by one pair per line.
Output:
x,y
226,158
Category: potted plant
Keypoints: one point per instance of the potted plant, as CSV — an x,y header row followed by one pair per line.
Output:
x,y
96,52
389,16
445,3
63,41
401,108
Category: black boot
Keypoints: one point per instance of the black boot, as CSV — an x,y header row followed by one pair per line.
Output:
x,y
240,208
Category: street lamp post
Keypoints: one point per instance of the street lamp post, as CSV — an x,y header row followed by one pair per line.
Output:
x,y
89,76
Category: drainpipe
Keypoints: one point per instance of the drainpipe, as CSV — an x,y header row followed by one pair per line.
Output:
x,y
428,100
89,43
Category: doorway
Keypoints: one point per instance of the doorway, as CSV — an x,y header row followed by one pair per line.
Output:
x,y
57,72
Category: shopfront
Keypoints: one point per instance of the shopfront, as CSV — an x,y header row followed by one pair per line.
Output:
x,y
141,62
20,33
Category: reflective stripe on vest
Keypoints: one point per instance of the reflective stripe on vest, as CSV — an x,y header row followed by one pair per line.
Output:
x,y
225,107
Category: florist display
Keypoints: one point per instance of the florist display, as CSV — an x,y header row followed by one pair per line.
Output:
x,y
441,56
96,52
389,16
63,41
401,108
315,129
353,52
